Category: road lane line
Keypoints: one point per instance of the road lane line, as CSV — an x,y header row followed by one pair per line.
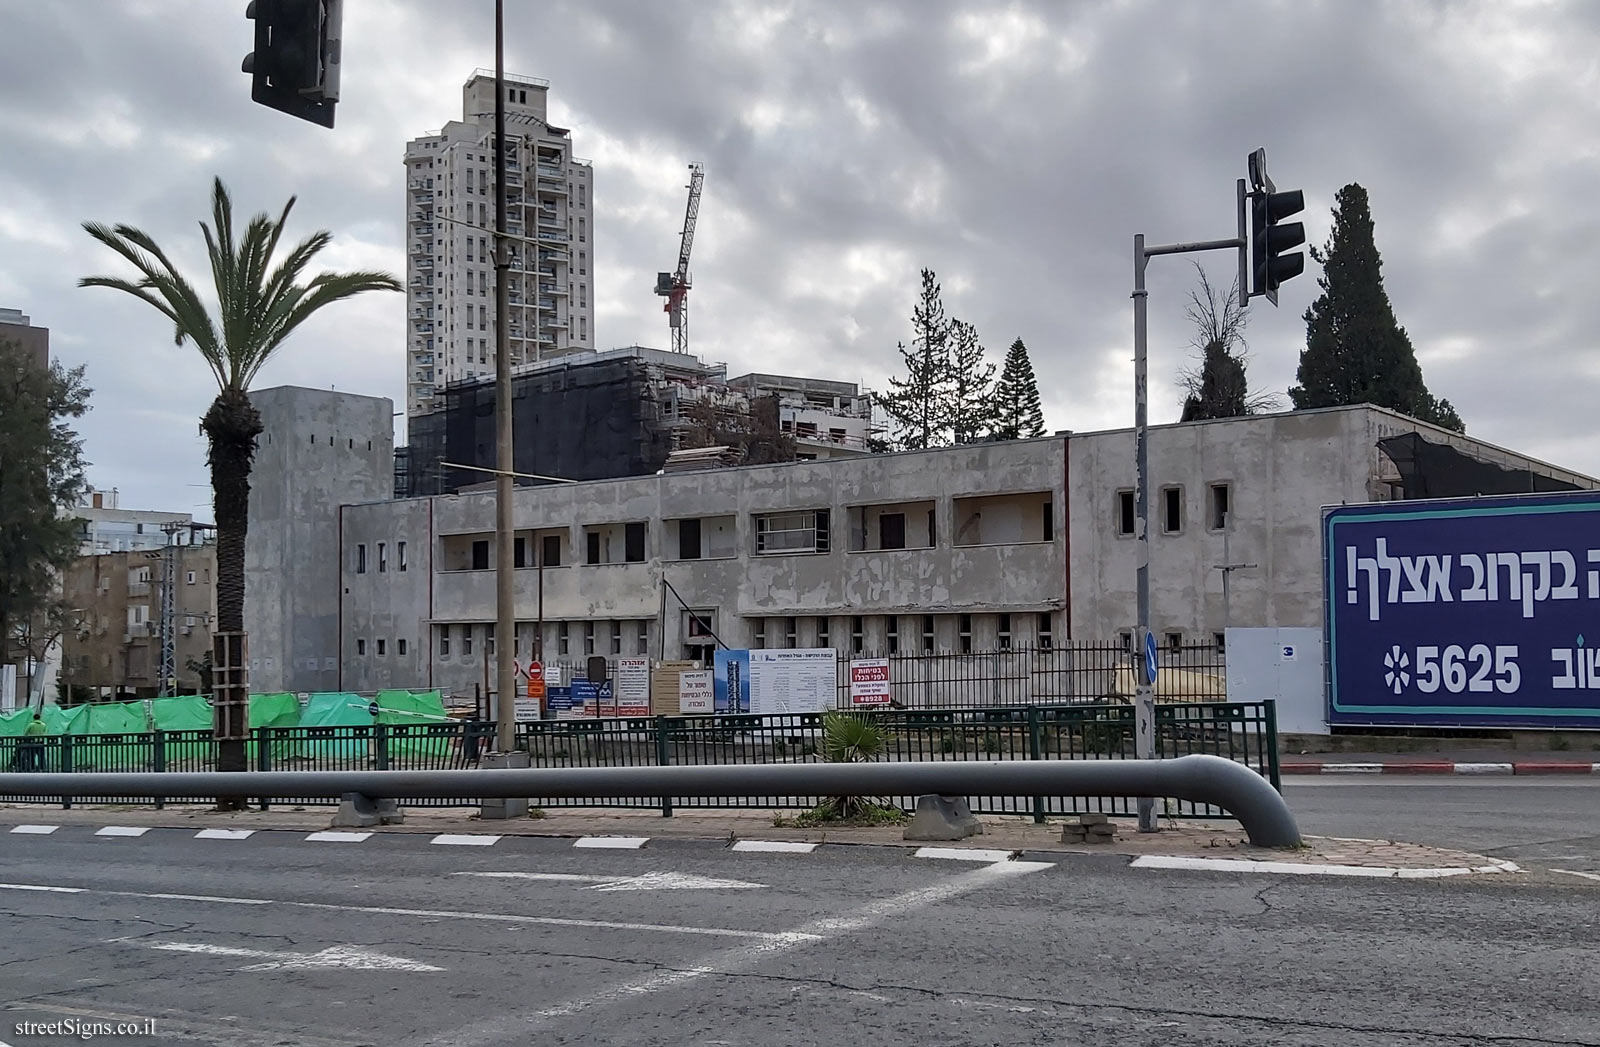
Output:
x,y
740,959
224,834
334,836
552,877
1574,872
40,887
35,830
774,846
623,843
465,840
123,830
962,854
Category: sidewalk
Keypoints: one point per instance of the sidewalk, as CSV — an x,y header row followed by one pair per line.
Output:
x,y
1191,844
1466,761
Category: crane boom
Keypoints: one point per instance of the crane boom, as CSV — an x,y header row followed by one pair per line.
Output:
x,y
697,176
674,286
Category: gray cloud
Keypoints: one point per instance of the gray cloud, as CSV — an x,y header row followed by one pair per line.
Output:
x,y
1014,148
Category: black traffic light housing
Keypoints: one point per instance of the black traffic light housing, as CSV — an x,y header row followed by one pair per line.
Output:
x,y
1270,236
295,65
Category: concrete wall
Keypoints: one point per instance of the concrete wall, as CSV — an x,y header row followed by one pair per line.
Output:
x,y
320,449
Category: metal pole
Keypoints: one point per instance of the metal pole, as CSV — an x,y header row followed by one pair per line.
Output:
x,y
1144,702
505,615
1227,572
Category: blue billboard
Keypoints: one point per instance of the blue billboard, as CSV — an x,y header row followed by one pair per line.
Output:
x,y
1474,612
730,681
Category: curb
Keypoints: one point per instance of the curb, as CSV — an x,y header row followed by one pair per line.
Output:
x,y
1439,767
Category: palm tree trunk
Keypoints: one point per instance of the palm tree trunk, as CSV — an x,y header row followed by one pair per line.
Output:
x,y
231,426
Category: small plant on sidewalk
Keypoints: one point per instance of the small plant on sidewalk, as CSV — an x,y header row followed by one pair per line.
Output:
x,y
849,737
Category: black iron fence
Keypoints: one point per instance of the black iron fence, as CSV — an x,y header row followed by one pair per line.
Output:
x,y
1245,732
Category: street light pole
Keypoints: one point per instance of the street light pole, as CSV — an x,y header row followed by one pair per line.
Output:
x,y
505,608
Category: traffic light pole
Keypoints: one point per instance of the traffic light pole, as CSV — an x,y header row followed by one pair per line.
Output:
x,y
505,616
1144,659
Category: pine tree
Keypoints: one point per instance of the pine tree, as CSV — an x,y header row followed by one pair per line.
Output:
x,y
972,388
1017,412
1218,388
919,404
1355,350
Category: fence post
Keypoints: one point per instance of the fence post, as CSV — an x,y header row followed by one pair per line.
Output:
x,y
380,737
1034,753
263,755
663,758
66,766
159,760
1271,742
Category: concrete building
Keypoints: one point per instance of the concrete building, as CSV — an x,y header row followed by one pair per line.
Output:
x,y
972,548
105,527
450,215
318,450
16,326
115,599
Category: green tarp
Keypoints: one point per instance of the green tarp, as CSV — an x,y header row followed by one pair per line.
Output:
x,y
190,712
335,715
412,714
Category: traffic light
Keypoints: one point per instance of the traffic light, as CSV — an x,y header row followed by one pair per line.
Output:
x,y
1270,236
295,65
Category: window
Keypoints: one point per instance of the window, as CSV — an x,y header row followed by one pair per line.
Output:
x,y
361,558
1174,641
1171,509
1048,515
1125,513
361,646
644,637
964,630
791,632
520,556
891,632
1220,642
488,639
592,540
400,556
933,539
444,641
927,632
1125,641
801,532
588,637
857,635
633,542
383,559
823,639
466,641
480,555
551,551
616,637
758,634
688,539
1003,632
892,531
189,578
563,644
1220,506
382,647
1046,627
400,647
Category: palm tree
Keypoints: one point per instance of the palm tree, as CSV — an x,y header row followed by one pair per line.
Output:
x,y
258,307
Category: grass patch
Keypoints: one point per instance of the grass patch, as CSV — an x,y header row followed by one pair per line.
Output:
x,y
826,816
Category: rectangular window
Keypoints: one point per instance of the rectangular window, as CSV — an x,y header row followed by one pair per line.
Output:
x,y
688,539
1220,506
1125,513
400,646
1125,641
563,640
592,547
801,532
361,558
480,555
520,554
791,632
644,638
1174,641
1220,642
1049,521
964,632
616,637
933,539
189,578
1046,627
551,550
823,639
382,647
400,556
891,633
1171,509
361,646
383,558
1003,632
466,641
892,531
444,641
488,639
858,638
927,632
633,542
758,634
588,637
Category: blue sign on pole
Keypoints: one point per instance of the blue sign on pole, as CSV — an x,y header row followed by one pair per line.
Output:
x,y
1472,612
1150,658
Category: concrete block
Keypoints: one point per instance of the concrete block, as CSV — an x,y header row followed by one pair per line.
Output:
x,y
1093,819
499,808
358,811
942,818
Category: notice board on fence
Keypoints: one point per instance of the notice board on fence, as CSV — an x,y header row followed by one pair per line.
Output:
x,y
798,680
1471,612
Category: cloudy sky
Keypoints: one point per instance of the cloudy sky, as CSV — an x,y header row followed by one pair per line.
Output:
x,y
1014,148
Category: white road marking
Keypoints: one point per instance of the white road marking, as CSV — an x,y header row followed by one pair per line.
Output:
x,y
340,956
224,834
123,830
774,846
671,881
1574,872
35,830
436,914
624,843
1352,768
745,957
1160,861
962,854
334,836
465,840
1483,768
552,877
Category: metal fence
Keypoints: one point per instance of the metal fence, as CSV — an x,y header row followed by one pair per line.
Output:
x,y
1245,732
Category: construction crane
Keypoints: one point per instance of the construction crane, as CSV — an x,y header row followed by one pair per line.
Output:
x,y
674,286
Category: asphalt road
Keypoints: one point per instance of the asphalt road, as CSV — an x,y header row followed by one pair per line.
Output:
x,y
277,940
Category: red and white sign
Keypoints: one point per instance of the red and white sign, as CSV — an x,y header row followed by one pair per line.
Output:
x,y
632,687
536,690
869,681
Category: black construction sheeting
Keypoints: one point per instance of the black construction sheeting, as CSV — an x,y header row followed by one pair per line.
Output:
x,y
1430,470
583,421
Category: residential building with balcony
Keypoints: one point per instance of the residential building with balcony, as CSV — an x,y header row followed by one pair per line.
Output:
x,y
450,216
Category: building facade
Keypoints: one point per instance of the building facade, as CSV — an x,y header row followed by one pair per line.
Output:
x,y
17,327
105,527
450,221
971,548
